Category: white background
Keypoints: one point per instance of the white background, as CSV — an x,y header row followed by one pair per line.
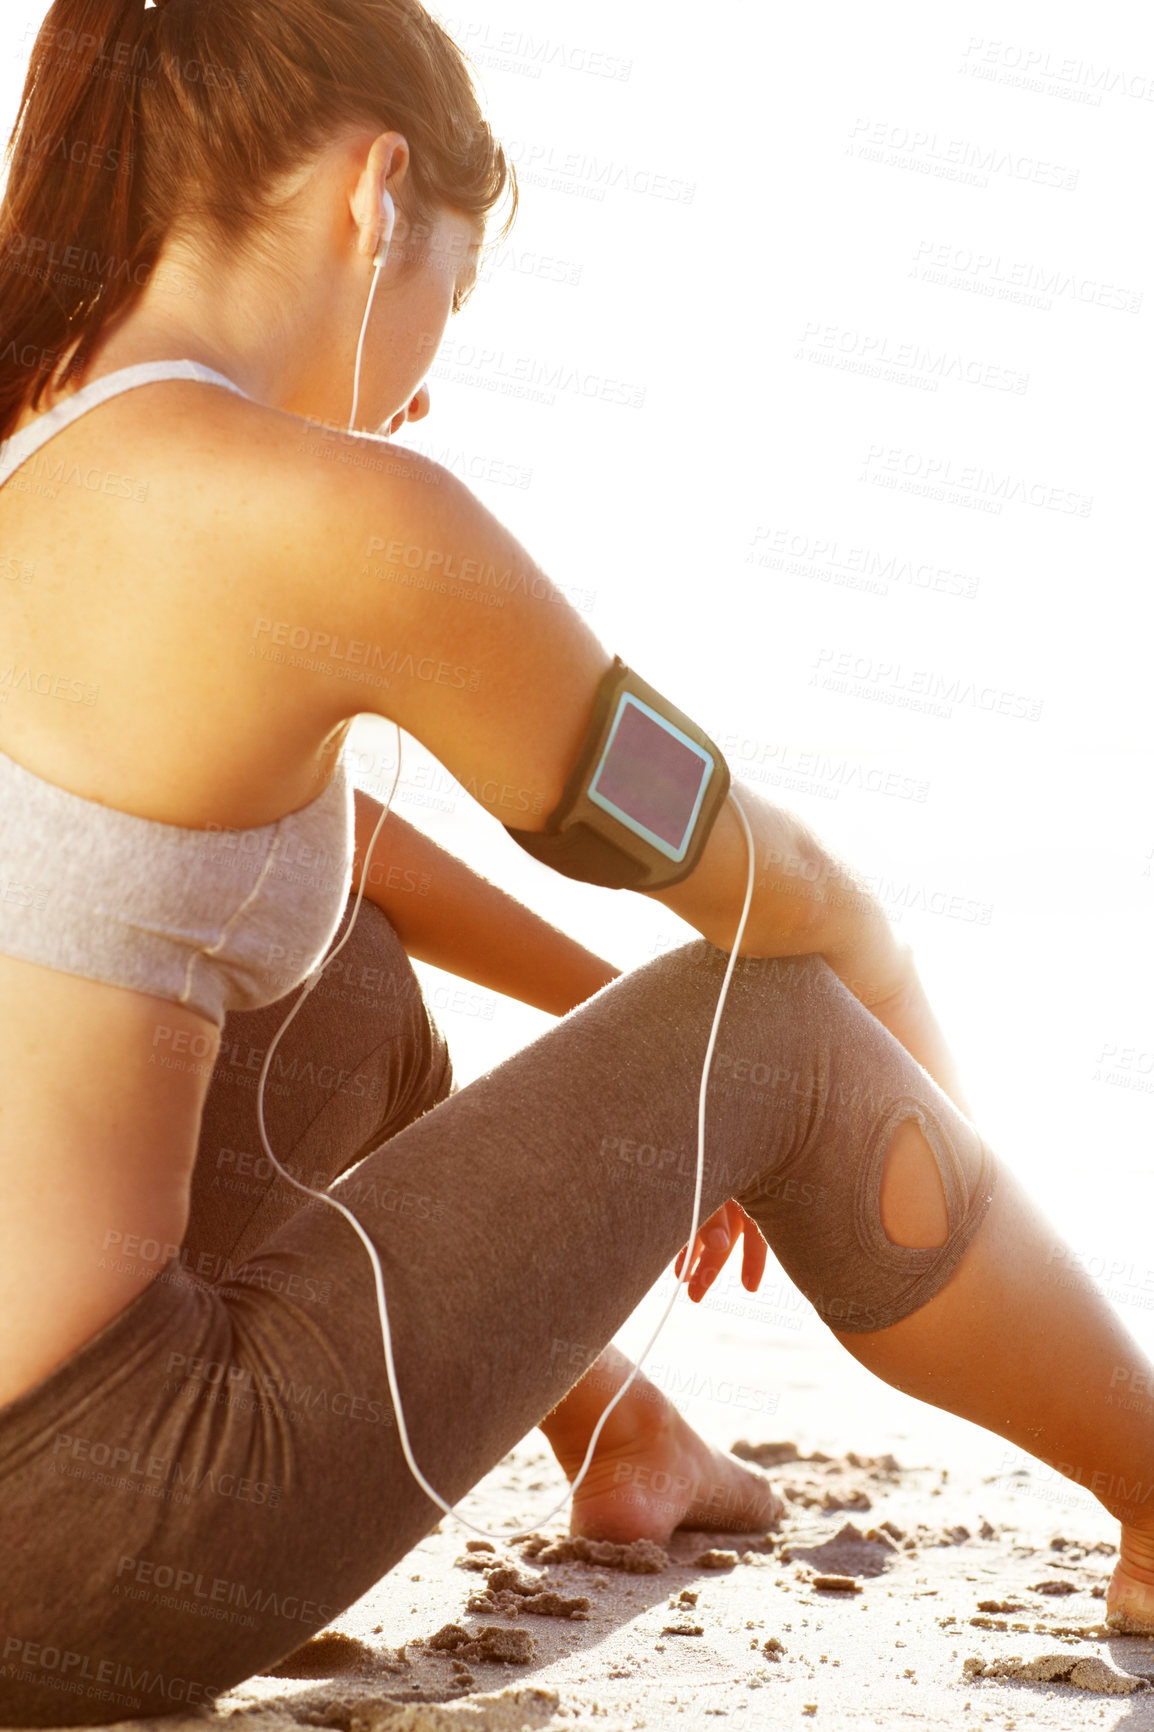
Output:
x,y
734,213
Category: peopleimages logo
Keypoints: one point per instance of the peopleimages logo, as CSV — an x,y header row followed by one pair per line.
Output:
x,y
41,253
879,355
220,1590
83,1674
121,61
953,158
852,566
1024,65
944,262
169,1471
545,164
529,375
916,688
55,148
501,49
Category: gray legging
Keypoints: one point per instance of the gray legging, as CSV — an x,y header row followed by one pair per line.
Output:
x,y
216,1474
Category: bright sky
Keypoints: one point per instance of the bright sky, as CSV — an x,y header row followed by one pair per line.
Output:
x,y
809,369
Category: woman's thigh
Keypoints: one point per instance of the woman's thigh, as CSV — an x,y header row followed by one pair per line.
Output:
x,y
219,1471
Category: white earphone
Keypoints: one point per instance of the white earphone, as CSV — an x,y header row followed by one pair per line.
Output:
x,y
387,219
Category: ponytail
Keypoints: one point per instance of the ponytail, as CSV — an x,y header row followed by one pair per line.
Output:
x,y
135,121
69,238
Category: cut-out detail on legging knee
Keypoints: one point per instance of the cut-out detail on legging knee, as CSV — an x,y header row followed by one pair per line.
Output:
x,y
906,1110
911,1201
821,1212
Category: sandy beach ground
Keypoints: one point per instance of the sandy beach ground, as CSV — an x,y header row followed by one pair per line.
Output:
x,y
947,1553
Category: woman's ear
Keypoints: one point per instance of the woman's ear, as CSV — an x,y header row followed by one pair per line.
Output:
x,y
371,202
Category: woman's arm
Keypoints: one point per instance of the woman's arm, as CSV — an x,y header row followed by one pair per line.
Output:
x,y
446,914
476,653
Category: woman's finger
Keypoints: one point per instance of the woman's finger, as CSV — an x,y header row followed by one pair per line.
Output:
x,y
718,1242
753,1256
694,1259
720,1219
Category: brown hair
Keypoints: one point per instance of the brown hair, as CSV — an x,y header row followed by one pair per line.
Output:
x,y
135,121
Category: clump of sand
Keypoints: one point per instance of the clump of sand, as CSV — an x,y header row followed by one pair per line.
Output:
x,y
509,1593
848,1553
834,1482
772,1454
525,1708
775,1454
521,1710
479,1555
1085,1672
828,1498
491,1642
639,1557
328,1656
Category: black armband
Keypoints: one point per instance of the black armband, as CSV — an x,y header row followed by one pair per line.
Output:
x,y
640,802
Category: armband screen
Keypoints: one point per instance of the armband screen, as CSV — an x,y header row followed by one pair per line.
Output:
x,y
651,777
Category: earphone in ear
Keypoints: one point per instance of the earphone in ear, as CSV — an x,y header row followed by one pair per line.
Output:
x,y
388,220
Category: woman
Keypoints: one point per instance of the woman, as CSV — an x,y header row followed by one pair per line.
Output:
x,y
191,1365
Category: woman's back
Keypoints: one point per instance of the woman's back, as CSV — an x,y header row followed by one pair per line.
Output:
x,y
125,620
175,536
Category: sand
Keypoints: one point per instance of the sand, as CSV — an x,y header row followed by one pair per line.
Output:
x,y
822,1618
923,1573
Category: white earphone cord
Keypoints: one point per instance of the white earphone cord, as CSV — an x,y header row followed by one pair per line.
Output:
x,y
361,345
386,1336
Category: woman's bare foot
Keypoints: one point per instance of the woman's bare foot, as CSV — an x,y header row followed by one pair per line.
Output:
x,y
651,1472
1130,1595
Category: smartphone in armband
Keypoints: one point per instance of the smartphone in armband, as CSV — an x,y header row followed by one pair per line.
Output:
x,y
640,802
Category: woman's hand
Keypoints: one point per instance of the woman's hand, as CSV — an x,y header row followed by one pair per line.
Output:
x,y
446,914
713,1244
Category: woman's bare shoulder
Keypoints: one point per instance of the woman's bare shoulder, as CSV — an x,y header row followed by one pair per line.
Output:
x,y
325,575
211,457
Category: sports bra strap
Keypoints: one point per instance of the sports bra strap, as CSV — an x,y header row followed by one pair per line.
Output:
x,y
22,445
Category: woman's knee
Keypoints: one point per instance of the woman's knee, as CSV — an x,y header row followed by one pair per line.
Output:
x,y
872,1217
872,1179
